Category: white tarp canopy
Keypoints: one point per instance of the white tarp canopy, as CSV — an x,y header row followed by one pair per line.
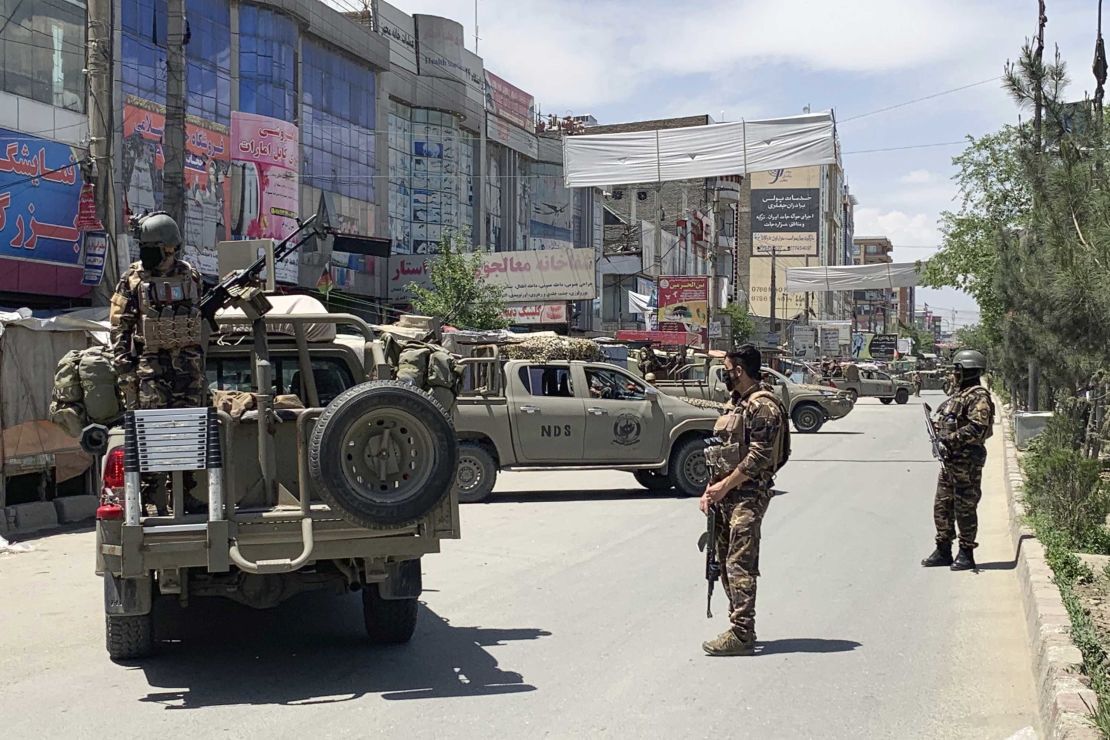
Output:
x,y
694,152
852,277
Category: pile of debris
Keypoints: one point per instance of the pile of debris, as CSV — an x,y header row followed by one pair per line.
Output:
x,y
545,349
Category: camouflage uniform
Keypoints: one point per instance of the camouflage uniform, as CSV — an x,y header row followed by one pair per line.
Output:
x,y
966,419
756,427
172,374
158,353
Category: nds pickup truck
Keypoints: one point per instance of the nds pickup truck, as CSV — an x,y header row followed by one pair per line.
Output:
x,y
524,414
810,406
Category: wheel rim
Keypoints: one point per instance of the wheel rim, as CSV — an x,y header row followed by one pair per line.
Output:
x,y
808,419
695,469
470,476
388,454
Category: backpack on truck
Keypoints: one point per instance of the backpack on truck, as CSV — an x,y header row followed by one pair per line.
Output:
x,y
427,366
86,390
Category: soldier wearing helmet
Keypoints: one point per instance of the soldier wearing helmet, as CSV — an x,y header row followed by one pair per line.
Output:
x,y
156,327
963,424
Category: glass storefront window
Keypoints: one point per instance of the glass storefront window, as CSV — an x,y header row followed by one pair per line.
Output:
x,y
337,127
431,168
42,51
267,63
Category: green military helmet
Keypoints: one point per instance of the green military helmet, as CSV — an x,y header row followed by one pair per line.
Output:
x,y
159,229
970,359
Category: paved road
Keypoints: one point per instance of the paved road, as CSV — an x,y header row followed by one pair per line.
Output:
x,y
578,613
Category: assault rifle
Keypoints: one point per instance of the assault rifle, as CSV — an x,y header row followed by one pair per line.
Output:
x,y
708,542
939,452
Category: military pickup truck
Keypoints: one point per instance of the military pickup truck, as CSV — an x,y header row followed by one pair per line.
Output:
x,y
863,381
346,493
810,406
523,414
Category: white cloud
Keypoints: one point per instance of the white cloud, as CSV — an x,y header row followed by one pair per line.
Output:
x,y
909,229
917,177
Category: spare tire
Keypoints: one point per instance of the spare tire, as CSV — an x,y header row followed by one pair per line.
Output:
x,y
383,454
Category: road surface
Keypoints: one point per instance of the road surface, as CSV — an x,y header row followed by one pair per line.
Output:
x,y
574,606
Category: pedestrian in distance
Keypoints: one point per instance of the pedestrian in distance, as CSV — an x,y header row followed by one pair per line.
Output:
x,y
963,424
754,444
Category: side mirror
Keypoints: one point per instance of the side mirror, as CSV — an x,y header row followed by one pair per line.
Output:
x,y
651,394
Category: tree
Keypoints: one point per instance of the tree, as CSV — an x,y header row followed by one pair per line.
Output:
x,y
742,325
459,294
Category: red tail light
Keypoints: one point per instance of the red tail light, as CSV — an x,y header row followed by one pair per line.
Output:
x,y
113,469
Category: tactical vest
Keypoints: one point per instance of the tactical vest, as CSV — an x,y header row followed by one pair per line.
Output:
x,y
732,429
953,412
168,315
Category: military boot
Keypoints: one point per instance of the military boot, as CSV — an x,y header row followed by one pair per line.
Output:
x,y
941,556
729,643
965,560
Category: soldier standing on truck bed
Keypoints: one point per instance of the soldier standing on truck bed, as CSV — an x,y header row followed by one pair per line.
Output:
x,y
754,446
156,330
963,429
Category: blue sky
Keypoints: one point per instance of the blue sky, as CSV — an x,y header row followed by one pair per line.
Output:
x,y
626,60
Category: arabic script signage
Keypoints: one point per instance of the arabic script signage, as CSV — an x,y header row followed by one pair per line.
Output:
x,y
40,188
786,212
525,277
267,151
684,304
207,189
536,313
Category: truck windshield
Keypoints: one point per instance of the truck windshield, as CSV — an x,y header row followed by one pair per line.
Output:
x,y
234,374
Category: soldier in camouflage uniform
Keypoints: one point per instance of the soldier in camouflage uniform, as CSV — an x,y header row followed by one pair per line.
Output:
x,y
752,430
156,330
964,426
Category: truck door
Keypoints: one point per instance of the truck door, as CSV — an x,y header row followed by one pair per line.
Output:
x,y
548,420
624,423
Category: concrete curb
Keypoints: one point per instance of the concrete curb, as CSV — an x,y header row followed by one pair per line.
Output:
x,y
1063,692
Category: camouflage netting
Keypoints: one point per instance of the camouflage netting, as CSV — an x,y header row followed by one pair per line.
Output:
x,y
702,403
544,349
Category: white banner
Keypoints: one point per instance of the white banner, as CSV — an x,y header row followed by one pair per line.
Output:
x,y
853,277
695,152
530,276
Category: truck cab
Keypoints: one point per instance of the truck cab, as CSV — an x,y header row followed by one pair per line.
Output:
x,y
524,414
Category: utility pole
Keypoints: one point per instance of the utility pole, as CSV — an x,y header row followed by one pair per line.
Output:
x,y
658,231
99,63
173,140
774,283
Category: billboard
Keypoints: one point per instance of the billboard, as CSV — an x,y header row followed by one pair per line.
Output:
x,y
759,287
684,304
525,277
207,161
40,188
510,102
786,211
266,152
868,346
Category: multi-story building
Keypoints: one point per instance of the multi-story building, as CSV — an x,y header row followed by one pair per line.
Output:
x,y
388,113
875,310
819,226
43,133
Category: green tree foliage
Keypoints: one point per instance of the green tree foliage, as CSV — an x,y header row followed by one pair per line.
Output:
x,y
1030,240
459,294
742,325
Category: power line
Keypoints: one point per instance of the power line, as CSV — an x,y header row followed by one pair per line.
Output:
x,y
917,100
910,146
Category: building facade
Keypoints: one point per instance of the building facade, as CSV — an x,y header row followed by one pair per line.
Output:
x,y
874,310
43,137
389,114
